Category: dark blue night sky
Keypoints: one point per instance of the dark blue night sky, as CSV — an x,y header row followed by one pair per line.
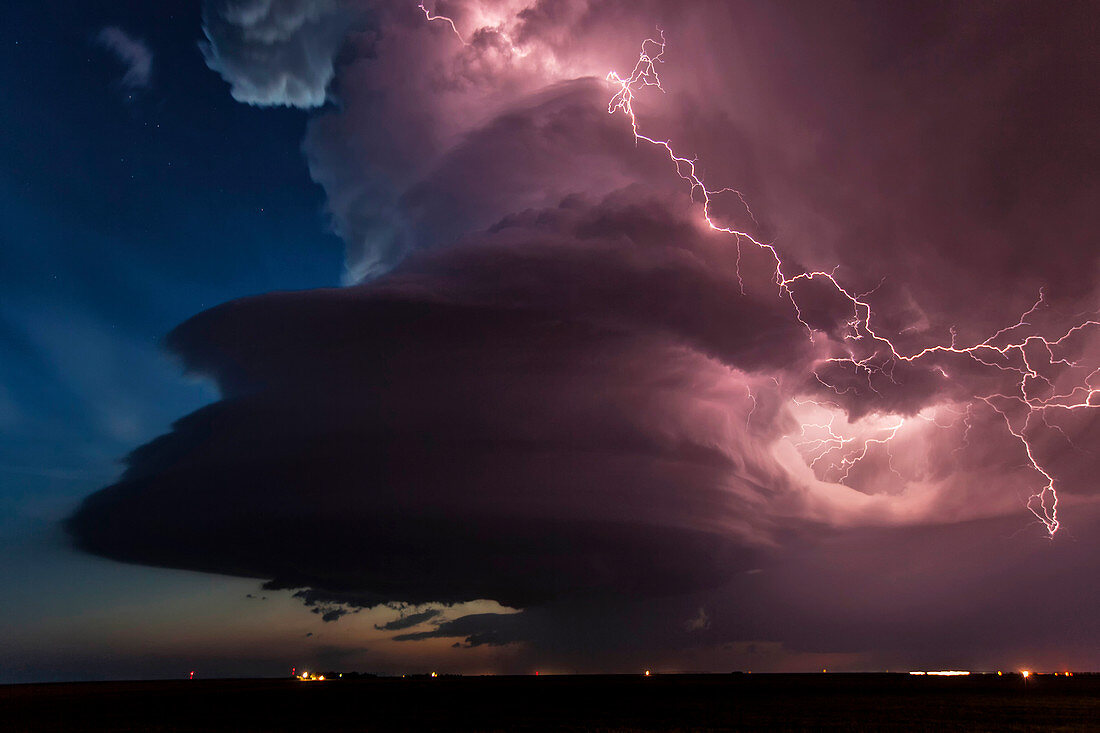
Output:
x,y
124,211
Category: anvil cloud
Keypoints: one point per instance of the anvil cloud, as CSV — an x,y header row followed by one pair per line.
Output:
x,y
550,384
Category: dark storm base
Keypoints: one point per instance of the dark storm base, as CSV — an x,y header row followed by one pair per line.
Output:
x,y
849,702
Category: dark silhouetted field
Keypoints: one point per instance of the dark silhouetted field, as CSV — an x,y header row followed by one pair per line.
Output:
x,y
848,702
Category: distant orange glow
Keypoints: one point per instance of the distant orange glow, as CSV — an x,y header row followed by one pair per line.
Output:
x,y
1026,673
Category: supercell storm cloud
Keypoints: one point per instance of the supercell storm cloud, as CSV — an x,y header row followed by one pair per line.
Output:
x,y
816,299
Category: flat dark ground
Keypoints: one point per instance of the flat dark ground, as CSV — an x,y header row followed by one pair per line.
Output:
x,y
848,702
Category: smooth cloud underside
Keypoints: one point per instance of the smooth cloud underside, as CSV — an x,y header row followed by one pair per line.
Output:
x,y
426,440
551,382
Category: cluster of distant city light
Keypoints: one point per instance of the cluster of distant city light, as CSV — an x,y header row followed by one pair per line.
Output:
x,y
1024,673
310,677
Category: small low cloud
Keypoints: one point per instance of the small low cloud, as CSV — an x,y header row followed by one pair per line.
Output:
x,y
134,54
698,622
322,605
407,622
330,613
478,629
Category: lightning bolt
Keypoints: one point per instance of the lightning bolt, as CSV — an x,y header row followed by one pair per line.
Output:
x,y
1003,350
431,16
1008,350
841,453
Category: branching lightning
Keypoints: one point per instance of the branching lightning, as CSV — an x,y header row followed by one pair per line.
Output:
x,y
821,443
1035,391
1027,356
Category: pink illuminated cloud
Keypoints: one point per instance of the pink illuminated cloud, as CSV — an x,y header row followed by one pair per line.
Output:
x,y
644,296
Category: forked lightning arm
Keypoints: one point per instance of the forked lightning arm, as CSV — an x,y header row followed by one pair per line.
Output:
x,y
997,351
